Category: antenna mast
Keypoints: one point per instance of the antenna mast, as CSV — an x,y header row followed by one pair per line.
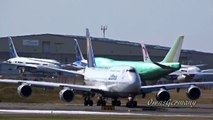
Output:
x,y
103,28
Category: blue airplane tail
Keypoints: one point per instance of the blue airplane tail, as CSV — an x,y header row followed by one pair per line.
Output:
x,y
78,53
90,53
12,50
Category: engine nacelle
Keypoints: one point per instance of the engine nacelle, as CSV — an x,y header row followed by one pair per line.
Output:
x,y
193,92
181,78
66,95
24,90
186,78
163,95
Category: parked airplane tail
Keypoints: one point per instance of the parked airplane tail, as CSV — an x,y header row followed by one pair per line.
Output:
x,y
12,49
174,53
90,53
146,57
78,53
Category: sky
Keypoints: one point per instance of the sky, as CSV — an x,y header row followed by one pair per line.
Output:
x,y
157,22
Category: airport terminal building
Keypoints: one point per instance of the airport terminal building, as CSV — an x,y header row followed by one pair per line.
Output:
x,y
61,48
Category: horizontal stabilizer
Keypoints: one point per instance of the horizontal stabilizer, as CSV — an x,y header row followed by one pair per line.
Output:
x,y
164,66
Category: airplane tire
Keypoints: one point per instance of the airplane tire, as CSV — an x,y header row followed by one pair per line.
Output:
x,y
131,104
101,103
90,102
116,103
85,103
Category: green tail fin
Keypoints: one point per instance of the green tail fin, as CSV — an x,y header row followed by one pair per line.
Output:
x,y
174,53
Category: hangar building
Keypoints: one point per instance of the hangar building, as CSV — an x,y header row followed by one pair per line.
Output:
x,y
61,48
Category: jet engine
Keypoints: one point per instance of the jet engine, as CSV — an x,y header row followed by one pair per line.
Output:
x,y
193,92
66,95
185,78
163,95
24,90
181,78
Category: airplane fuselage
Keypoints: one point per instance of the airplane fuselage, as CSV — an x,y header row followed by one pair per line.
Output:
x,y
147,71
34,64
120,81
187,73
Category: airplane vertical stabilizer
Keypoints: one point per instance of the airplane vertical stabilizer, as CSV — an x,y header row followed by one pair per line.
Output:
x,y
146,57
90,53
12,49
174,53
78,53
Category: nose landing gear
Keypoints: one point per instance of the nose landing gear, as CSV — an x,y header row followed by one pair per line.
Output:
x,y
131,103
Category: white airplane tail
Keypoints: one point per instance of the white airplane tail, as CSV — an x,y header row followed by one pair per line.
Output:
x,y
146,57
90,53
12,50
78,53
174,53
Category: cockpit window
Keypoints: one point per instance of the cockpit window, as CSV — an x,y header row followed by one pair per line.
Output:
x,y
9,61
183,70
131,70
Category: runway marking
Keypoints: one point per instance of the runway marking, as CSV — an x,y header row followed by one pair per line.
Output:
x,y
63,112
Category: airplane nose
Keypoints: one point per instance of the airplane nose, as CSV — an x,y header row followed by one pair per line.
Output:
x,y
135,82
8,61
5,62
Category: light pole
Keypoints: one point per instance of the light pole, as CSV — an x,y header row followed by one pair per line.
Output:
x,y
104,28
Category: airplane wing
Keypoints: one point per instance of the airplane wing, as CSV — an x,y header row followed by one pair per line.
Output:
x,y
79,72
80,88
199,73
191,73
31,66
24,65
207,70
46,68
198,65
150,88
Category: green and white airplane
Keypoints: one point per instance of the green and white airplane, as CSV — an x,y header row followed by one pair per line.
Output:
x,y
186,73
149,72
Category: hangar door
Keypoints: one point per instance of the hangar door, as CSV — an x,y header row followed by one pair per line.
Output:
x,y
46,47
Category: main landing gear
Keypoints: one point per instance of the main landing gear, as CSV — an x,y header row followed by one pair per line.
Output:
x,y
21,70
116,102
88,101
101,101
131,103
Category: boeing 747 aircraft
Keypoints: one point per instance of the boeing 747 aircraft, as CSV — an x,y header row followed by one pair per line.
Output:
x,y
30,64
150,72
115,82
